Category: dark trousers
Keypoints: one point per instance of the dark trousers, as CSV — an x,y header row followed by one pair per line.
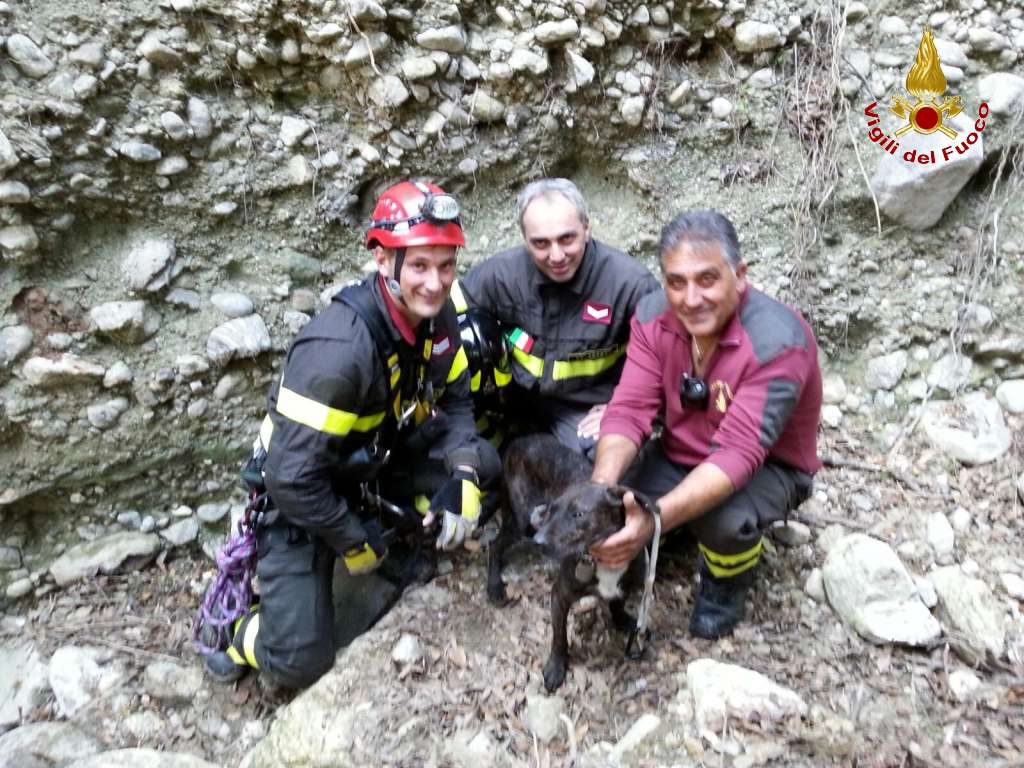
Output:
x,y
734,526
298,633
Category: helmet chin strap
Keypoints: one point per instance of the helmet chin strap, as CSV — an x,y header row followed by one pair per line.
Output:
x,y
394,287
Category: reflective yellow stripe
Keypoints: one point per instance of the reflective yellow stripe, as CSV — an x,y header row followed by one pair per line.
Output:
x,y
474,383
569,369
322,417
422,504
470,501
501,378
459,364
458,298
395,368
266,430
249,641
722,566
533,364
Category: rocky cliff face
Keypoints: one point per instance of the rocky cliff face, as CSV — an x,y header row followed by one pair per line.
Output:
x,y
183,182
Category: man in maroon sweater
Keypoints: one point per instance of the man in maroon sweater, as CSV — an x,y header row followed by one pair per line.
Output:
x,y
735,375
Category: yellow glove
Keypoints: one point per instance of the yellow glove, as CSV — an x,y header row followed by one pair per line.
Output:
x,y
459,501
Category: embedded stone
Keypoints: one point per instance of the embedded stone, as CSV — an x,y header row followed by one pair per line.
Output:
x,y
554,32
364,49
1003,91
174,126
971,430
886,371
632,110
153,49
105,415
239,338
35,745
753,36
28,56
88,55
580,72
232,304
1009,394
18,242
69,369
388,91
724,692
968,606
199,118
127,550
15,341
418,68
150,265
451,39
128,321
485,108
14,193
139,152
171,166
523,60
8,157
293,130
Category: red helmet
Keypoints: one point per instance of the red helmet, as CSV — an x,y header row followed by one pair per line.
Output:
x,y
415,213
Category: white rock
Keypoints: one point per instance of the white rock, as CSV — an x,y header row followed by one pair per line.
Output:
x,y
886,371
968,607
632,110
182,532
753,36
1009,394
721,108
366,10
960,519
172,166
360,53
45,744
143,758
926,591
580,72
451,39
485,108
167,681
407,650
950,372
939,534
1013,584
125,320
388,91
119,373
139,152
105,554
541,716
1003,91
893,26
212,512
105,415
174,126
791,533
987,40
418,68
14,193
971,430
19,241
69,369
239,338
232,304
14,342
916,195
78,675
23,685
963,684
523,60
293,130
28,56
762,79
638,732
153,49
88,55
554,32
815,586
199,118
150,265
299,172
831,416
723,692
951,53
870,589
8,157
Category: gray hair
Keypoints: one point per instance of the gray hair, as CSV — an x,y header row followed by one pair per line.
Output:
x,y
547,188
701,227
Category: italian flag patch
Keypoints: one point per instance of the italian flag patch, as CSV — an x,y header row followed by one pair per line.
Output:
x,y
521,340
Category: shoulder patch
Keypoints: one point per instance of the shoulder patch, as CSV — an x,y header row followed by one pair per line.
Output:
x,y
771,326
650,306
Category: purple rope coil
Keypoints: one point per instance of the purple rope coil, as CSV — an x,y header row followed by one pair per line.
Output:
x,y
230,595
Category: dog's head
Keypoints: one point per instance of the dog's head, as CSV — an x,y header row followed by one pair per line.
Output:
x,y
582,515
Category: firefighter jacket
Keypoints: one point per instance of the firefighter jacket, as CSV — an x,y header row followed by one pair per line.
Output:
x,y
337,399
568,340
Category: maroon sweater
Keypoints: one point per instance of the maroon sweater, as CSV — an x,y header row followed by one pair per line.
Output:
x,y
764,381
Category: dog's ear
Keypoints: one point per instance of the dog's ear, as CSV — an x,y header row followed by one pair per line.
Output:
x,y
614,494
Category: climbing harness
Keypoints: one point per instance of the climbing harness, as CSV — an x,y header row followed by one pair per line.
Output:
x,y
231,595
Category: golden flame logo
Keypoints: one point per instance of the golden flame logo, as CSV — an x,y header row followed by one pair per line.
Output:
x,y
926,82
721,394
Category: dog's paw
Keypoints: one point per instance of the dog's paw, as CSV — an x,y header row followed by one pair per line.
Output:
x,y
554,673
496,595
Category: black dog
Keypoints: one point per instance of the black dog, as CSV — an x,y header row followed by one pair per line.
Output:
x,y
547,491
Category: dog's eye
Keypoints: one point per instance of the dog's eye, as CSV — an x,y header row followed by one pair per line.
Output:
x,y
578,514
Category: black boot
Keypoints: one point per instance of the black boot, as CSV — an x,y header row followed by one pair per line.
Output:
x,y
230,663
720,603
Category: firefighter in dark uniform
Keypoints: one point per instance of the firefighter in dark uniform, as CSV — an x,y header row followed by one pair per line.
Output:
x,y
374,401
564,302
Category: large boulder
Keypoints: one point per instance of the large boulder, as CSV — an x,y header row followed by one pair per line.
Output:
x,y
970,610
22,684
723,692
107,554
871,590
971,430
51,744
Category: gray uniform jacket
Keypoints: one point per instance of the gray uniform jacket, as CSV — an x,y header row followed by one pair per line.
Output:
x,y
335,397
568,339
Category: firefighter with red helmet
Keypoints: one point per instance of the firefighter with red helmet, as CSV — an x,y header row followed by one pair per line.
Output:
x,y
371,415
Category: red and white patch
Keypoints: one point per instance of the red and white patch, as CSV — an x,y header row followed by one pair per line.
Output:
x,y
597,313
440,346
